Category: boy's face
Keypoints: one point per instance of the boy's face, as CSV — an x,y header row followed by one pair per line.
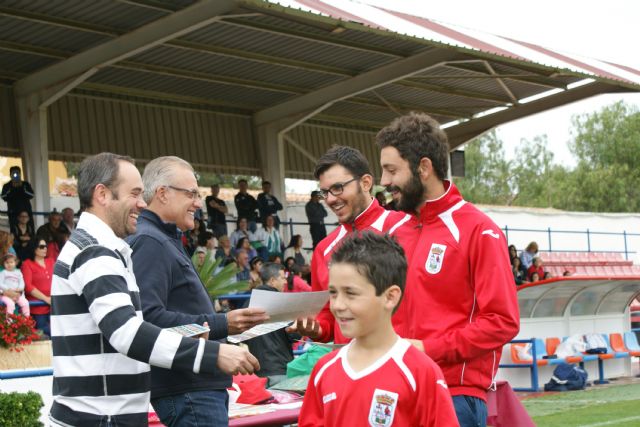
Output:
x,y
10,264
354,303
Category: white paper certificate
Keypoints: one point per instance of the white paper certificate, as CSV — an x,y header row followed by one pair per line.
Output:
x,y
282,308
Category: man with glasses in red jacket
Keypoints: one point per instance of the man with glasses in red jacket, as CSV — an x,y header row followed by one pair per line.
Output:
x,y
345,182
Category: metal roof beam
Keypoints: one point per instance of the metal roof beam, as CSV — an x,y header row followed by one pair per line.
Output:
x,y
157,32
464,132
526,78
364,82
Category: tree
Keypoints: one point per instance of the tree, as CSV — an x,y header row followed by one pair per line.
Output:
x,y
607,145
488,176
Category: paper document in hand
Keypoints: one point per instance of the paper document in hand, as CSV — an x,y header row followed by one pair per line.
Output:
x,y
282,308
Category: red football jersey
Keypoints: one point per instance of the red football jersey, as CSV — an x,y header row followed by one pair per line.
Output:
x,y
402,388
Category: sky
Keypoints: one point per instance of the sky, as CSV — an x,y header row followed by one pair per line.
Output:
x,y
593,28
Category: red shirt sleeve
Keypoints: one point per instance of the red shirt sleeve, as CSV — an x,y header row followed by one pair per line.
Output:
x,y
319,282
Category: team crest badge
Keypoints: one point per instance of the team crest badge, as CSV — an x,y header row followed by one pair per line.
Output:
x,y
383,408
435,258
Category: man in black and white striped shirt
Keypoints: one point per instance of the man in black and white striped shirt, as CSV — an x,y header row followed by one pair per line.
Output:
x,y
101,346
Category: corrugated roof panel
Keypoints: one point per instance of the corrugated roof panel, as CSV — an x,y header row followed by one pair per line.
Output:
x,y
235,95
235,67
9,141
120,15
43,35
21,62
269,43
209,141
318,139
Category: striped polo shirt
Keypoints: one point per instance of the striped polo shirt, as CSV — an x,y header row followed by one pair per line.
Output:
x,y
101,346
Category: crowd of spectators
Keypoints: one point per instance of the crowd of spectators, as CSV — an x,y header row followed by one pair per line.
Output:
x,y
31,255
527,267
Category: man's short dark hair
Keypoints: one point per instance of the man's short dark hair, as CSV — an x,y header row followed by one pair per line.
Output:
x,y
266,183
14,169
379,258
415,136
270,270
242,180
347,157
102,169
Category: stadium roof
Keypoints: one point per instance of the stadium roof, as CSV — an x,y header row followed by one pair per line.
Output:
x,y
331,71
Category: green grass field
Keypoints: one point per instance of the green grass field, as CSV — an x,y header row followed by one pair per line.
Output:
x,y
593,407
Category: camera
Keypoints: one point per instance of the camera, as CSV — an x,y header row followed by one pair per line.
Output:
x,y
15,176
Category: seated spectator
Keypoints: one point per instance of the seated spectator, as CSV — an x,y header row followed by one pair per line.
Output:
x,y
547,275
270,237
536,267
243,243
242,230
526,257
38,273
24,236
566,273
513,252
225,251
201,258
295,251
242,262
535,277
276,258
55,246
519,275
50,230
6,245
68,219
295,282
207,241
12,281
255,266
273,350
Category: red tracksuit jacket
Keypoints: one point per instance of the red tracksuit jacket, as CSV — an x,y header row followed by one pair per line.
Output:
x,y
460,293
375,218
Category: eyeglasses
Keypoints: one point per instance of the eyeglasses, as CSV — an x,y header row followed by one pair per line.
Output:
x,y
42,246
193,194
336,189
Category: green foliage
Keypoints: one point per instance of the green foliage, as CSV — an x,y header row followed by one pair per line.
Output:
x,y
207,179
222,282
488,176
606,179
20,409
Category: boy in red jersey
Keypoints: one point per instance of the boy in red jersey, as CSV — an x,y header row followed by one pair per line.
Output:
x,y
378,379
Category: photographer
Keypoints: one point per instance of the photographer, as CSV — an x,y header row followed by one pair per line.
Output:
x,y
17,193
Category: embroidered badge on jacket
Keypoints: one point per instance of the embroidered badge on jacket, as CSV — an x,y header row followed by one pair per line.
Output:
x,y
383,408
435,258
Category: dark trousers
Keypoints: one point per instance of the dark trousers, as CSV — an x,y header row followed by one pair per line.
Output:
x,y
193,409
471,411
318,232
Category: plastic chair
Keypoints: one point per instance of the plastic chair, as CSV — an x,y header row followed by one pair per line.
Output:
x,y
631,341
616,354
552,346
617,344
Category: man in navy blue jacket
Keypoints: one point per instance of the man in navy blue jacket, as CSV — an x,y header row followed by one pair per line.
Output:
x,y
172,294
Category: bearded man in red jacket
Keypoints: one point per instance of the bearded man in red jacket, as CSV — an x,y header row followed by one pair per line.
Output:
x,y
459,293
